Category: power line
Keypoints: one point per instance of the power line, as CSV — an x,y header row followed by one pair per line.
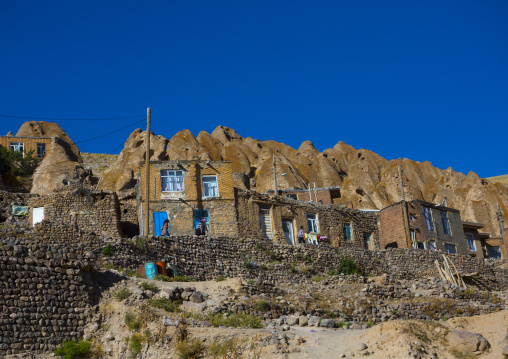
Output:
x,y
73,119
109,133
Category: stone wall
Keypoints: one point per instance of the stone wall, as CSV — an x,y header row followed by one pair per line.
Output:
x,y
129,217
331,218
7,199
91,212
208,258
44,297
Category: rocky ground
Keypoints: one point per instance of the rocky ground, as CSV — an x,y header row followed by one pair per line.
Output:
x,y
137,317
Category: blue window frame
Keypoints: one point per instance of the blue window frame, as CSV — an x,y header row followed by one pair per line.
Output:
x,y
172,181
495,252
470,242
347,231
450,248
198,215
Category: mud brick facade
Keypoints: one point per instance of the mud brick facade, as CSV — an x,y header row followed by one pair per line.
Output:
x,y
45,296
424,225
90,212
29,144
183,202
328,195
330,220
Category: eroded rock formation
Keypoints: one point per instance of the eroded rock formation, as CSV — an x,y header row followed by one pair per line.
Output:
x,y
366,179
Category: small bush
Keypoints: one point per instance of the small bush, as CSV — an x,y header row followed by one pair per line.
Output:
x,y
135,345
247,263
171,306
260,246
133,323
308,259
122,294
149,286
220,278
108,250
142,244
346,266
228,349
70,349
163,278
251,281
183,278
263,306
317,278
192,350
237,320
298,256
376,260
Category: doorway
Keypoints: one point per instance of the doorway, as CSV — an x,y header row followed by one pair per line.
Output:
x,y
158,220
287,227
367,243
266,223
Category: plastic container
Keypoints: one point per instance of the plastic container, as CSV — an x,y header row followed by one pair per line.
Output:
x,y
151,270
161,268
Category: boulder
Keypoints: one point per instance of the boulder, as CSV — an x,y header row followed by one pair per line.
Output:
x,y
327,323
303,321
467,341
291,320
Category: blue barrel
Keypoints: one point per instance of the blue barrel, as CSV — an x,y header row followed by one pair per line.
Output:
x,y
150,270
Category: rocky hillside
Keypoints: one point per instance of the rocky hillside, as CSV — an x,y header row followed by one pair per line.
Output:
x,y
366,179
499,179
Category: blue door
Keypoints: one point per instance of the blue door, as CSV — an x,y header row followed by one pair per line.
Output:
x,y
198,215
158,220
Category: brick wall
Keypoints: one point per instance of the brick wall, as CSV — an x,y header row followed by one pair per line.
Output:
x,y
30,143
391,226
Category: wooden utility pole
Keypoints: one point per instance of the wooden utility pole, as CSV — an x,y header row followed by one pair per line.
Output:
x,y
146,213
409,241
274,176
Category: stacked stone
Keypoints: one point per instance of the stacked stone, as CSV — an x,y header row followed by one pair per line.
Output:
x,y
207,258
44,296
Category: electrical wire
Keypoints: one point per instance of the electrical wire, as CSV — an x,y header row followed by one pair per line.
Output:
x,y
73,119
109,133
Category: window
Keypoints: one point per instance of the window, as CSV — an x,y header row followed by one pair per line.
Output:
x,y
495,252
367,243
312,223
41,150
17,147
420,245
347,231
470,242
266,222
450,248
210,188
428,218
171,181
412,218
446,223
292,196
432,245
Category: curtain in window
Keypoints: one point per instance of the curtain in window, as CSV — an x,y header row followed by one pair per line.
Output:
x,y
210,188
172,181
347,231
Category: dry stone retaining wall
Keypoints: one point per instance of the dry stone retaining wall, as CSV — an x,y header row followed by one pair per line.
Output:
x,y
44,296
207,258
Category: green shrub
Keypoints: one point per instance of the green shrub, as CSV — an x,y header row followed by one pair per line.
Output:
x,y
108,250
308,259
346,266
190,350
247,263
133,323
251,281
163,278
141,243
220,278
122,294
237,320
71,349
376,260
263,306
135,345
317,278
149,286
172,306
260,246
298,256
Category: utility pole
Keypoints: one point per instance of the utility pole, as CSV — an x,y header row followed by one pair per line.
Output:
x,y
274,176
501,225
146,225
404,211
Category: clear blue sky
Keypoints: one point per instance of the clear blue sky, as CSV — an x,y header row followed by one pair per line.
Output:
x,y
423,80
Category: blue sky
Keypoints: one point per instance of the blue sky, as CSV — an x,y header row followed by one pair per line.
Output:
x,y
423,80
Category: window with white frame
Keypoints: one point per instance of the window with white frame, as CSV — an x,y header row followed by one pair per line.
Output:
x,y
450,248
428,218
210,187
312,223
446,223
471,245
420,245
172,181
432,245
17,147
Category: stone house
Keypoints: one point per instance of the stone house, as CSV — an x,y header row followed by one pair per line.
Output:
x,y
279,219
425,225
327,195
39,145
185,192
